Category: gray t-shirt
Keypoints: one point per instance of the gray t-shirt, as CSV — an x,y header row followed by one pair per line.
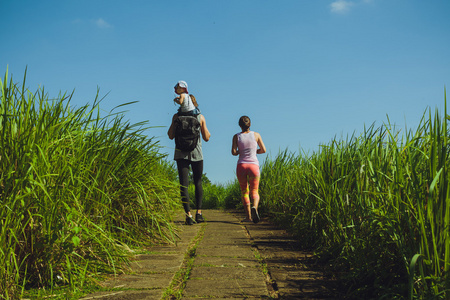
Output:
x,y
194,155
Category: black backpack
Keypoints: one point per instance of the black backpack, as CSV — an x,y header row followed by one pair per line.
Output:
x,y
187,133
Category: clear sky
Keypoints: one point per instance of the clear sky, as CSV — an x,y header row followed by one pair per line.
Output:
x,y
305,71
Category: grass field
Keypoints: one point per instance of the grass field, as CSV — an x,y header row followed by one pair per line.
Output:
x,y
376,206
80,192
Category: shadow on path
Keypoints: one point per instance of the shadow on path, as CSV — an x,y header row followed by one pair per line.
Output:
x,y
292,273
222,258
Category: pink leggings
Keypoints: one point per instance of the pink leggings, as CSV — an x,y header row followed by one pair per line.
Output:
x,y
248,175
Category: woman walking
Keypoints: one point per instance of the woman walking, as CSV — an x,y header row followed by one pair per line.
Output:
x,y
245,144
194,159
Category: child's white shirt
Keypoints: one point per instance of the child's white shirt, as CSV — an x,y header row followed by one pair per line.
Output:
x,y
187,104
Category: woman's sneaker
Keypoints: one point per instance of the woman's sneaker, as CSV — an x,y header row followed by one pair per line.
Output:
x,y
199,218
255,215
246,221
189,220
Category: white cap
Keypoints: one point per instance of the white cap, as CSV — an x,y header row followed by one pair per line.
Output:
x,y
182,84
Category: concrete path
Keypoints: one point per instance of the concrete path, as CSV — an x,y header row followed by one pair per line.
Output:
x,y
222,259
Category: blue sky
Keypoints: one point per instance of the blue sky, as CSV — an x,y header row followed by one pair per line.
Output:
x,y
304,71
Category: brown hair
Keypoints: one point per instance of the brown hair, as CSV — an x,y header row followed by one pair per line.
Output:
x,y
193,100
244,123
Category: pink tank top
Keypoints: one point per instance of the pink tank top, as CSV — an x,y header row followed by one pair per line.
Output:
x,y
247,146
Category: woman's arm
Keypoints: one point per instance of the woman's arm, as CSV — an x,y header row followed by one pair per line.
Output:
x,y
234,146
204,130
262,147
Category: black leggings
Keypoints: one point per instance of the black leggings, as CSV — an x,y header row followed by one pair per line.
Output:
x,y
183,174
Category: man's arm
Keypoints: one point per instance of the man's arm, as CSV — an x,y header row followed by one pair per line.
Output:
x,y
171,132
205,132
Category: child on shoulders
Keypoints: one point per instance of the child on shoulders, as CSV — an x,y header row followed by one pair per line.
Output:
x,y
188,103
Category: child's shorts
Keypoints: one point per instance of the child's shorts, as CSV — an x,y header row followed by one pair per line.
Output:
x,y
192,113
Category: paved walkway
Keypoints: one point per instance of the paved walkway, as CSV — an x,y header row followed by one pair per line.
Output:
x,y
222,259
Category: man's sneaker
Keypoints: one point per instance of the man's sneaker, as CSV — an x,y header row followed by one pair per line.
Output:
x,y
255,215
199,218
189,220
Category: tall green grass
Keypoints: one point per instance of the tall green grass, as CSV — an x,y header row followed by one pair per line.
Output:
x,y
213,194
77,190
376,206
